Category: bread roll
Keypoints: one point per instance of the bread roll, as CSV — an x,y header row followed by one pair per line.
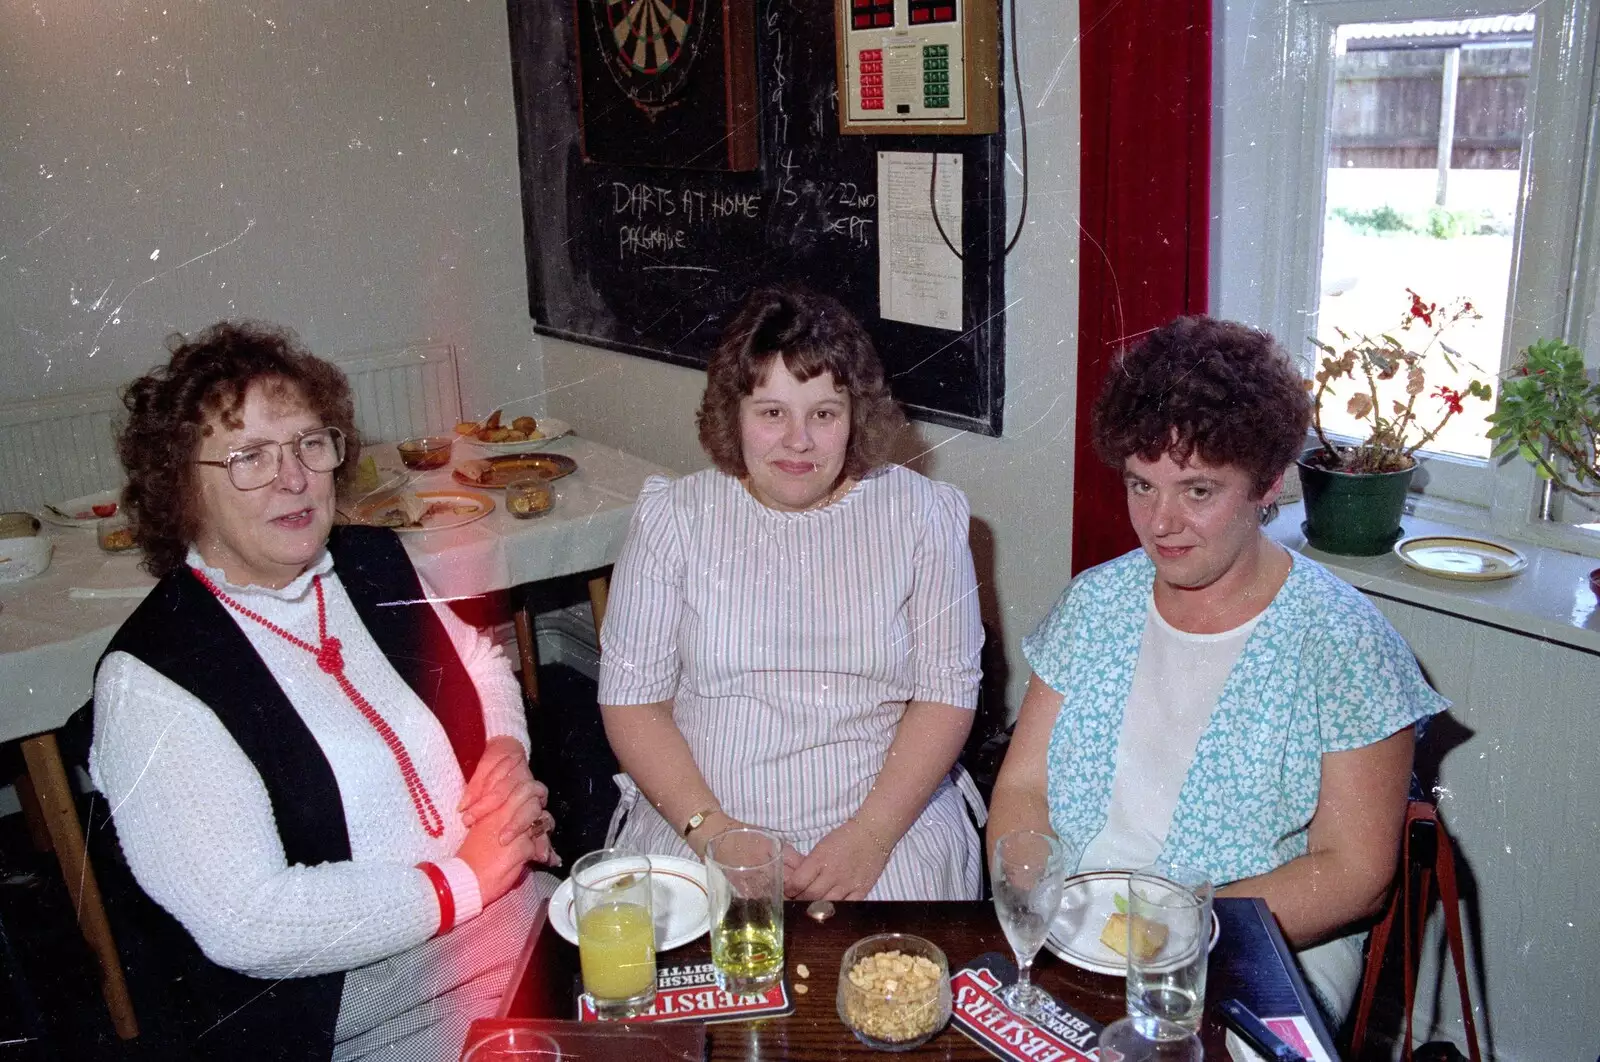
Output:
x,y
1148,936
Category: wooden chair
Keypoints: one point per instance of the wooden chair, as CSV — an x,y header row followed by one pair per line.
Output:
x,y
1426,856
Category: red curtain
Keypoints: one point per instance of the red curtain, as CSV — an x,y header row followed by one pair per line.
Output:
x,y
1146,167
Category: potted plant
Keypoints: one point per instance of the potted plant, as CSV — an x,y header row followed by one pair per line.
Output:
x,y
1549,413
1356,494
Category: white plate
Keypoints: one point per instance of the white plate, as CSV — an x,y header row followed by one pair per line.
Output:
x,y
69,509
549,429
677,892
1460,557
1087,901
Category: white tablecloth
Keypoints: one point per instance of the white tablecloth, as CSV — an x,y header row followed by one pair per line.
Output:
x,y
50,636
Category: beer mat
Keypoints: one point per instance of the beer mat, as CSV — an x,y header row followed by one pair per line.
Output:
x,y
688,992
1060,1033
536,1039
1294,1031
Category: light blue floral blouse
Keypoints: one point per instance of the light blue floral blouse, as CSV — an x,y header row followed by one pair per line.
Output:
x,y
1322,672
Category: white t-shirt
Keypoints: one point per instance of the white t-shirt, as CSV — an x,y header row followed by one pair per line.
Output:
x,y
1176,685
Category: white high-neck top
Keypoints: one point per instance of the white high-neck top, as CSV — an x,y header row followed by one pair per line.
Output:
x,y
196,824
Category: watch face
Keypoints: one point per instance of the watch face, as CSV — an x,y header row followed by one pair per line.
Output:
x,y
651,45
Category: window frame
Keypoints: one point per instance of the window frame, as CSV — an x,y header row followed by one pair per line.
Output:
x,y
1270,141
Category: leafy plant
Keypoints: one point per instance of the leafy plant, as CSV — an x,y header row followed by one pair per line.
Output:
x,y
1366,361
1549,406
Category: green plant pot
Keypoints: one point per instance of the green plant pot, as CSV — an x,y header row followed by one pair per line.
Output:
x,y
1352,513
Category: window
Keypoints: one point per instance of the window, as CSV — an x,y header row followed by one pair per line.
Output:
x,y
1424,159
1332,120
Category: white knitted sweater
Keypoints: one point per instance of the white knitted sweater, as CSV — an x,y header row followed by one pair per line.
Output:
x,y
196,824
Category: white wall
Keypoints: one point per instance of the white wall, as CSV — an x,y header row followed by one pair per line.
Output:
x,y
1020,485
347,169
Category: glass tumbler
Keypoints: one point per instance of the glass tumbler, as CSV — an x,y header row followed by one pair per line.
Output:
x,y
616,931
529,496
744,869
1169,945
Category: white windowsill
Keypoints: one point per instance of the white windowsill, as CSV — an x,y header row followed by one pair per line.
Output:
x,y
1550,600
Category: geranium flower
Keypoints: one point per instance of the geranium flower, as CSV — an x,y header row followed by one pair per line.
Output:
x,y
1451,398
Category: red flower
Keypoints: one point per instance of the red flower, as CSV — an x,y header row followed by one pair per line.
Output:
x,y
1422,311
1451,398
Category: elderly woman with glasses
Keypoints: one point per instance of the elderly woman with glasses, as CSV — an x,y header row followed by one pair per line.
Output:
x,y
318,778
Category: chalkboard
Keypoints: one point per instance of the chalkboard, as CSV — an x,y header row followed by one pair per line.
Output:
x,y
651,261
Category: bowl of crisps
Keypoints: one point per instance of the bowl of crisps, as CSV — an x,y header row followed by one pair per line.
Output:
x,y
114,534
894,991
426,453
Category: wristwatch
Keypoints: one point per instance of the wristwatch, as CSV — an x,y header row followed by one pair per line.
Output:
x,y
698,819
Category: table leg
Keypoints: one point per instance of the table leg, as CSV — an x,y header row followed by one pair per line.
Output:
x,y
32,813
527,655
49,776
599,591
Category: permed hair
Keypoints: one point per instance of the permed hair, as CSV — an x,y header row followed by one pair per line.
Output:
x,y
1218,389
813,334
171,410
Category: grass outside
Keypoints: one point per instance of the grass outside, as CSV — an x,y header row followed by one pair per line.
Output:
x,y
1366,271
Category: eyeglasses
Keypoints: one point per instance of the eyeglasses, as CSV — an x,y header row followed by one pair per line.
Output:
x,y
253,467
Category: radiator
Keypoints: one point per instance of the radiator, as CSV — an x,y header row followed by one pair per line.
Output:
x,y
404,392
54,449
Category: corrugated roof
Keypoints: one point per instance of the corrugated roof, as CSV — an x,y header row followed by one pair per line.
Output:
x,y
1463,29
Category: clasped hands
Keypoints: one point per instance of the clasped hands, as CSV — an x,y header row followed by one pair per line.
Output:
x,y
844,865
503,808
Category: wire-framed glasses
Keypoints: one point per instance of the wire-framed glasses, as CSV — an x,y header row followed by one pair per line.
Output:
x,y
253,467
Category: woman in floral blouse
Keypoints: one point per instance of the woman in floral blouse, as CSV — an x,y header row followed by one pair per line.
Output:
x,y
1213,699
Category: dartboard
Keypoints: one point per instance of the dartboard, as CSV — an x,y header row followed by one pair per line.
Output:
x,y
651,45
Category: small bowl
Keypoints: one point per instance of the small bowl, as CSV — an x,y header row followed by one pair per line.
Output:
x,y
18,525
23,558
529,496
115,535
903,1000
426,453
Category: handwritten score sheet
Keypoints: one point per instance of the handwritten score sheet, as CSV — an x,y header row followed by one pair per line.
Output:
x,y
919,277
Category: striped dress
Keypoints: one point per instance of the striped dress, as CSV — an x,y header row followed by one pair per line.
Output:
x,y
789,644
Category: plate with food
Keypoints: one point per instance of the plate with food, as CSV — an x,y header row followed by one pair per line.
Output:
x,y
500,434
494,473
1091,926
677,894
86,512
422,510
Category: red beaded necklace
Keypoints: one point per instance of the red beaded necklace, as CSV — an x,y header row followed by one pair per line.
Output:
x,y
330,659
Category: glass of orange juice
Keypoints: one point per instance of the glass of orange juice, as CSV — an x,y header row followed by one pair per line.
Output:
x,y
616,931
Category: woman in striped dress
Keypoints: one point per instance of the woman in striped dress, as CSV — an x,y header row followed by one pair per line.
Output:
x,y
793,635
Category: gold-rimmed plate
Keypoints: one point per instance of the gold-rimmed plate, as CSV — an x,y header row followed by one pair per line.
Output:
x,y
1460,557
493,473
423,510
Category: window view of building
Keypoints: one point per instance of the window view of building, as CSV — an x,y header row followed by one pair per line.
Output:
x,y
1425,138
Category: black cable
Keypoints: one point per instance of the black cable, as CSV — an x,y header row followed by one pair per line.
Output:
x,y
1022,122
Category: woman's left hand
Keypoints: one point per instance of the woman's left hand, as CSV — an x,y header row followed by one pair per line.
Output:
x,y
502,777
844,865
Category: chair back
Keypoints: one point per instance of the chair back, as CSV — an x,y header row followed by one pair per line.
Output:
x,y
1426,856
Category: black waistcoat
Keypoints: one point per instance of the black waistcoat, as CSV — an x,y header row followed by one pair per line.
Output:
x,y
182,631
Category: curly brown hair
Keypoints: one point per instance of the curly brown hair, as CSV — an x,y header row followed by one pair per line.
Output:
x,y
1219,389
172,408
813,334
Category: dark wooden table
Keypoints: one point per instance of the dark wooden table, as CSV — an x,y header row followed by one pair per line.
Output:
x,y
545,985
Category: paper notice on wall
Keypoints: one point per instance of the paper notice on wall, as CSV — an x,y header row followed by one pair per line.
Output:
x,y
919,276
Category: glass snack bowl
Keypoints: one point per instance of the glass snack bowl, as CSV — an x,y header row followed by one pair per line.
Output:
x,y
894,991
426,453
